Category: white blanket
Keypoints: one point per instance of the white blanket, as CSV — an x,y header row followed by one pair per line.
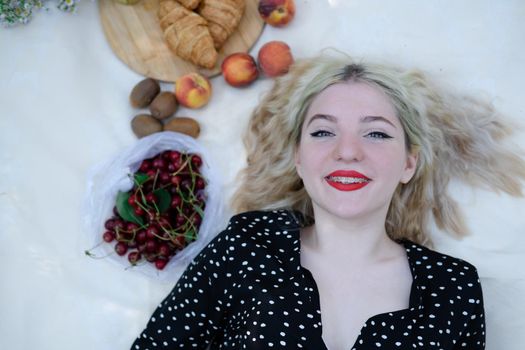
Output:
x,y
64,108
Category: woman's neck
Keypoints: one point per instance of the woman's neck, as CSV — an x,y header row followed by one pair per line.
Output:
x,y
350,241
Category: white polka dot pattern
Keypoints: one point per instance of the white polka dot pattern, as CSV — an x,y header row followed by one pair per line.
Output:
x,y
247,290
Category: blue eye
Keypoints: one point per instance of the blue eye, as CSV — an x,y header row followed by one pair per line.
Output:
x,y
378,135
321,133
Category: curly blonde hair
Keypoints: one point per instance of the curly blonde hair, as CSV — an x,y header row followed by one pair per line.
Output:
x,y
455,136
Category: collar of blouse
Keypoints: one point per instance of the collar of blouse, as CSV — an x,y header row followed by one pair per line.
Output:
x,y
416,258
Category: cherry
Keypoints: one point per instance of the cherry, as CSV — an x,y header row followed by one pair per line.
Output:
x,y
151,245
139,211
186,184
141,236
151,198
160,263
201,197
164,177
134,257
110,224
132,200
108,236
174,156
164,222
175,201
118,225
164,249
159,163
152,232
151,174
180,241
121,248
131,227
175,180
180,220
176,164
187,210
151,215
196,161
145,166
200,184
196,219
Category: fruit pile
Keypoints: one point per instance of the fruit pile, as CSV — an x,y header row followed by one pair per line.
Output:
x,y
274,58
163,211
240,69
192,90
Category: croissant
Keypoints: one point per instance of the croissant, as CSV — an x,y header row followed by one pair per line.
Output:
x,y
189,4
187,34
223,17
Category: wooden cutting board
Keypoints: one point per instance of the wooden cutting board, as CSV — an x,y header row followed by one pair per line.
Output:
x,y
134,34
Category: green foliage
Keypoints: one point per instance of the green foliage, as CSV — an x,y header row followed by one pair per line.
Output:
x,y
13,12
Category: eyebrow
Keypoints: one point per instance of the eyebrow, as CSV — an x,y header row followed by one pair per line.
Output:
x,y
328,117
373,118
365,119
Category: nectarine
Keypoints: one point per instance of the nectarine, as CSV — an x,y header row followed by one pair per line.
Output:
x,y
239,69
277,13
275,58
193,90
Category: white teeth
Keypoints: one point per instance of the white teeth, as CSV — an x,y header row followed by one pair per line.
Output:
x,y
347,180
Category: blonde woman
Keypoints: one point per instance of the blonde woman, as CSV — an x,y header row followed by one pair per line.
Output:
x,y
347,163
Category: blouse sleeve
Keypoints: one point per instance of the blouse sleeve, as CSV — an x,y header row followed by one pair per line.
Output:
x,y
473,336
191,315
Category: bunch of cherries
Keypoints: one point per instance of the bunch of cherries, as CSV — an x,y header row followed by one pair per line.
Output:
x,y
163,211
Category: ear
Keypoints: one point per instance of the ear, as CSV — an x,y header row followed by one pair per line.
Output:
x,y
410,167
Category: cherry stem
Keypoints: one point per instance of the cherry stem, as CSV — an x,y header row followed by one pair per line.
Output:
x,y
93,256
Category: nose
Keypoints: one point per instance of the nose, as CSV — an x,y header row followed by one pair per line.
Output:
x,y
348,149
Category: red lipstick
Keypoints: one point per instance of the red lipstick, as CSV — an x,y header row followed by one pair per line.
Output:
x,y
347,180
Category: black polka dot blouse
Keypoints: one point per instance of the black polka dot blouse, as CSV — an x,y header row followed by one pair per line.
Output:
x,y
248,290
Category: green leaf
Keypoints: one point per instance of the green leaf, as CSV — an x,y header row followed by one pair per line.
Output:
x,y
125,210
140,178
190,236
199,210
163,199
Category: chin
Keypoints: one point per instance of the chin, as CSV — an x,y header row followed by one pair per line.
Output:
x,y
351,210
344,212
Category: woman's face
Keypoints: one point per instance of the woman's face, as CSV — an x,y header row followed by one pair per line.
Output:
x,y
352,154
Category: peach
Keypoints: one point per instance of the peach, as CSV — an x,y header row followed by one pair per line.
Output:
x,y
239,69
277,13
193,90
275,58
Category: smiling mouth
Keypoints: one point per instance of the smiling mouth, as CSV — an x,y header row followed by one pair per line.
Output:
x,y
347,180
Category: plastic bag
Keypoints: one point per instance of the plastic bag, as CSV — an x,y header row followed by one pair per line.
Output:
x,y
107,179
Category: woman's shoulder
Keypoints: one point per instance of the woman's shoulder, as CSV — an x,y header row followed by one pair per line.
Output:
x,y
267,229
428,258
266,219
441,273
